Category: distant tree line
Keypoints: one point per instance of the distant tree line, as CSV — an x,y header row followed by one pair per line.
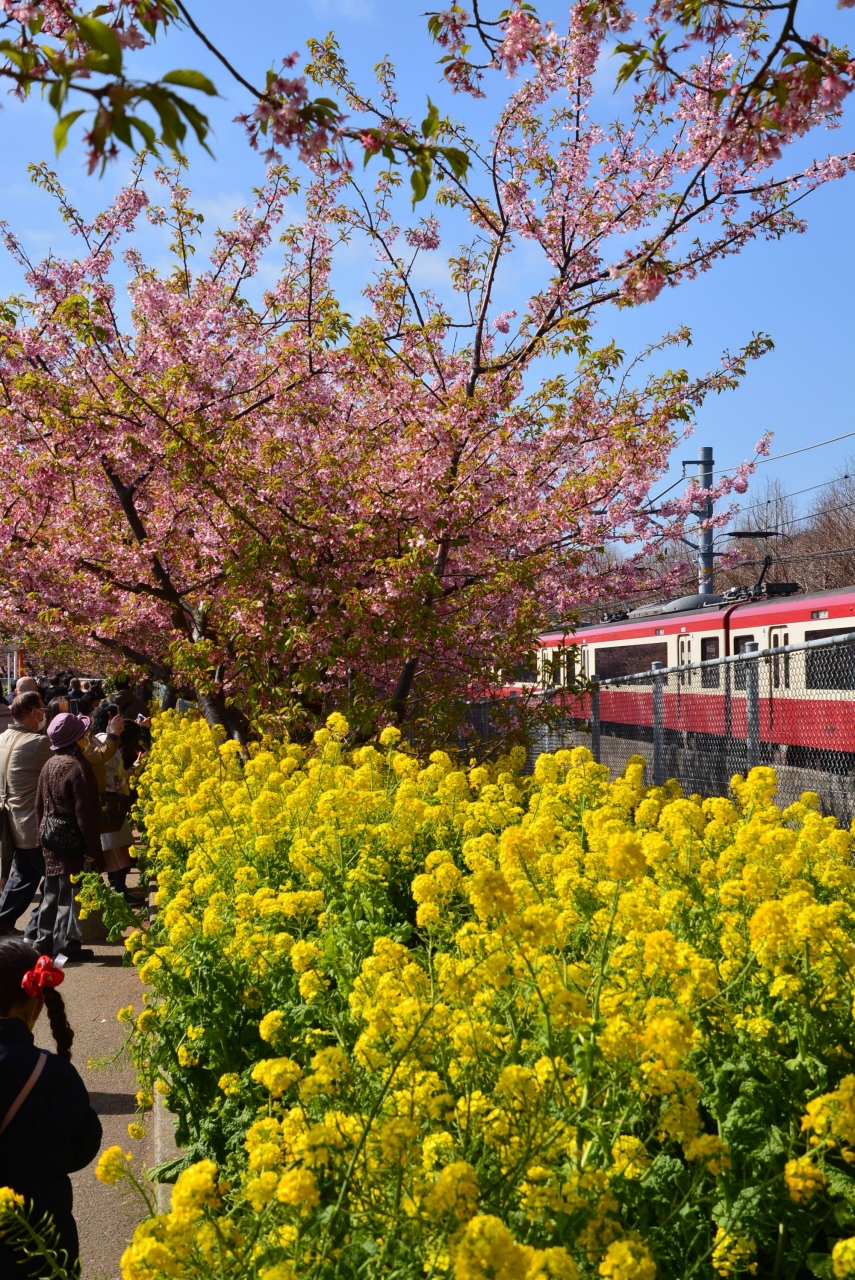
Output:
x,y
815,548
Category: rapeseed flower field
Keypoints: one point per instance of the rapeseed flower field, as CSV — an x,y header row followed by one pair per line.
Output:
x,y
424,1020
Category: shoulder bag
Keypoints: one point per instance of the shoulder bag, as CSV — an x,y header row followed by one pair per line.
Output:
x,y
25,1091
61,835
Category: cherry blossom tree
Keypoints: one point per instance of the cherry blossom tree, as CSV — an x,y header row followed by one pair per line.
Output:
x,y
275,501
775,79
776,75
77,55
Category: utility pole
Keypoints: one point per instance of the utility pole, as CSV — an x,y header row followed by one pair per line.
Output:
x,y
705,541
704,545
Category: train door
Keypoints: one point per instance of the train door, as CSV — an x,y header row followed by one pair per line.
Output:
x,y
684,656
779,638
779,683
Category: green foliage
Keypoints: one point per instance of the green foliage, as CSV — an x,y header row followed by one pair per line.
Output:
x,y
420,1016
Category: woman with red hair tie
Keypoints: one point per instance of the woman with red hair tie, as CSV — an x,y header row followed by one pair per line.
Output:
x,y
47,1127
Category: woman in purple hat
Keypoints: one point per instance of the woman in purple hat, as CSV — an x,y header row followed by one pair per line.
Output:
x,y
68,811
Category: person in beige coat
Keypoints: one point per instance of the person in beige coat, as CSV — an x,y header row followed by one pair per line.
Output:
x,y
100,753
26,684
24,752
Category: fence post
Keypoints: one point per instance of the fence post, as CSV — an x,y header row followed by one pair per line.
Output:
x,y
752,707
595,717
658,725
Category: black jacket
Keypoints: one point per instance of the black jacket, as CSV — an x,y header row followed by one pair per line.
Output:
x,y
54,1133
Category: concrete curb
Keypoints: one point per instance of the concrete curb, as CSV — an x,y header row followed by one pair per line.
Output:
x,y
163,1120
164,1149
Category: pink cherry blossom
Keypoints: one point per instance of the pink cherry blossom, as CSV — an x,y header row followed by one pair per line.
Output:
x,y
522,32
252,487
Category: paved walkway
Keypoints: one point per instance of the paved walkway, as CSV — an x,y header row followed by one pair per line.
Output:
x,y
94,991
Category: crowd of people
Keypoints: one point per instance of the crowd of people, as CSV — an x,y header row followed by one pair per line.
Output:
x,y
69,756
68,759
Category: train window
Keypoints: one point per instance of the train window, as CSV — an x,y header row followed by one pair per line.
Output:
x,y
628,659
740,672
710,650
568,658
526,672
825,632
830,668
555,669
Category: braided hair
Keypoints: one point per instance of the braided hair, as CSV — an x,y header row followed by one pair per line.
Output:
x,y
17,958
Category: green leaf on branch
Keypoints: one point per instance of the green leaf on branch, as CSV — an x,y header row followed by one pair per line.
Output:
x,y
430,124
172,128
636,56
96,61
144,128
189,79
97,35
122,128
56,94
195,118
457,160
61,128
419,181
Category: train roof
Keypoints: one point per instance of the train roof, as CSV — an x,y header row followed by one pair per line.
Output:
x,y
674,615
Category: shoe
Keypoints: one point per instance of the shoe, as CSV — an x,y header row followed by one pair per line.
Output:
x,y
74,951
136,897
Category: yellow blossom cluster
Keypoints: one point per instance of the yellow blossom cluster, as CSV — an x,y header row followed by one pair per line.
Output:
x,y
447,1020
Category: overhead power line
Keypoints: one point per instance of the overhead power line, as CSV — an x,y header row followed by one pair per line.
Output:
x,y
765,502
817,555
812,515
774,457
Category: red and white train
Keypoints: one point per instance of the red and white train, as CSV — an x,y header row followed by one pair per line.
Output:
x,y
807,700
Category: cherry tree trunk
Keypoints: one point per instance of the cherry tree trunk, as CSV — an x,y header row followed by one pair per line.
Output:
x,y
232,719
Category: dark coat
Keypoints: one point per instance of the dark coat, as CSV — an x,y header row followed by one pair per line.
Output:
x,y
55,1133
68,785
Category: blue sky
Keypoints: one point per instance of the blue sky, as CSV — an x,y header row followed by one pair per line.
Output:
x,y
799,290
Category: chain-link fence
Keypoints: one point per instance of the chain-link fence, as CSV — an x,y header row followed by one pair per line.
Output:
x,y
792,707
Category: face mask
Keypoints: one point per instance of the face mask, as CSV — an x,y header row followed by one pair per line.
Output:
x,y
42,721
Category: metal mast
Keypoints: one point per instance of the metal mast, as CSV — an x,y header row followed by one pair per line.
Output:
x,y
706,562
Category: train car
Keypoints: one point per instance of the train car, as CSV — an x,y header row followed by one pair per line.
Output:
x,y
807,699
